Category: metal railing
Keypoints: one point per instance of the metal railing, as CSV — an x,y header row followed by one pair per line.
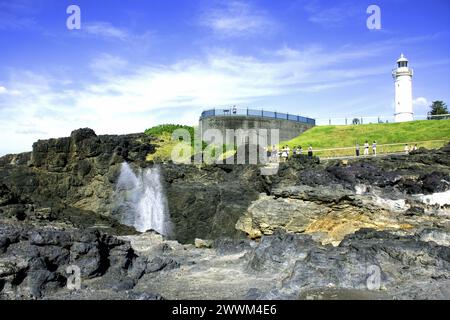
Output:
x,y
255,113
385,148
342,121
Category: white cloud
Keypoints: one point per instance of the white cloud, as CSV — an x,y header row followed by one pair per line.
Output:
x,y
421,105
237,19
321,12
105,30
126,97
3,90
132,41
108,64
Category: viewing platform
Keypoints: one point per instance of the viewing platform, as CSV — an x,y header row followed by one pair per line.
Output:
x,y
287,125
235,112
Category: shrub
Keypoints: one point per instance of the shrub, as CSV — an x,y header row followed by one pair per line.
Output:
x,y
168,129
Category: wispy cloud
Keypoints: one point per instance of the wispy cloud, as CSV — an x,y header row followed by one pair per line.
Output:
x,y
123,96
105,30
237,19
17,15
331,15
120,101
107,64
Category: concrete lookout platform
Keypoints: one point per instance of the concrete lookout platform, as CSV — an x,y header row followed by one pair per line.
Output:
x,y
289,126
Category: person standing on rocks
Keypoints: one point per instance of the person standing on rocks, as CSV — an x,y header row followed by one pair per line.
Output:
x,y
406,149
357,149
274,154
366,148
310,151
284,154
374,148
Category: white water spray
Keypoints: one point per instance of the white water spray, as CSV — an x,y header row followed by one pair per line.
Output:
x,y
141,199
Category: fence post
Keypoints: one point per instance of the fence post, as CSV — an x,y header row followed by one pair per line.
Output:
x,y
361,120
345,121
329,121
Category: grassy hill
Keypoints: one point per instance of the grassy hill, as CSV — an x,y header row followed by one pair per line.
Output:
x,y
165,143
424,133
427,133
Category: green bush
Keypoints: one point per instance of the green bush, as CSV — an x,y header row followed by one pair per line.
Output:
x,y
168,129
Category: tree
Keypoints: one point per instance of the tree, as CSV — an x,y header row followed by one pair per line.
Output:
x,y
438,107
355,121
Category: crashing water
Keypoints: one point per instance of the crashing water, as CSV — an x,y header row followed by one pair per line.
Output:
x,y
141,199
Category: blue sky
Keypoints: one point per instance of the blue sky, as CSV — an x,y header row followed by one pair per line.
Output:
x,y
138,63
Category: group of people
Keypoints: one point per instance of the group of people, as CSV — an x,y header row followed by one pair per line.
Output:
x,y
285,152
407,149
366,148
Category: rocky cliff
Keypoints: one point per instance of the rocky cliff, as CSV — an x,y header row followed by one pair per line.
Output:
x,y
314,229
69,179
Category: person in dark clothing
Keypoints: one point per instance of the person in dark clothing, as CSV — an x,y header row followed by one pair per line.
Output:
x,y
357,149
310,151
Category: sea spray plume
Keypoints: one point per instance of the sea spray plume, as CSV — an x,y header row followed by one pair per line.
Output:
x,y
141,201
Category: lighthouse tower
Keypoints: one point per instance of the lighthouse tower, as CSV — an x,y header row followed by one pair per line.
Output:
x,y
403,91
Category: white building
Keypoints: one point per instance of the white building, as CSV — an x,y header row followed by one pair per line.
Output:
x,y
403,91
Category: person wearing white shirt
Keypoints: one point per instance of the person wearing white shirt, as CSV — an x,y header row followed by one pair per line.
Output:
x,y
366,148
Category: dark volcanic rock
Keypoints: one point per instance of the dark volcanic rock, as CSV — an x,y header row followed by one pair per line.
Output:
x,y
225,246
206,202
69,179
435,182
68,183
401,262
158,264
34,261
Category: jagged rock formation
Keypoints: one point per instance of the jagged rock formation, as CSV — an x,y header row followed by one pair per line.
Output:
x,y
408,268
72,180
321,229
332,200
69,179
34,261
206,202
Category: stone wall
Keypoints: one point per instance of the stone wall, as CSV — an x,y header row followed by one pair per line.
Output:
x,y
288,129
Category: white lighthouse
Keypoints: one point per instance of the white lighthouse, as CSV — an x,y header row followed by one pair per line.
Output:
x,y
403,91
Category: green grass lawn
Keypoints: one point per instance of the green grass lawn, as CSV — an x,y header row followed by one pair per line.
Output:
x,y
327,137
